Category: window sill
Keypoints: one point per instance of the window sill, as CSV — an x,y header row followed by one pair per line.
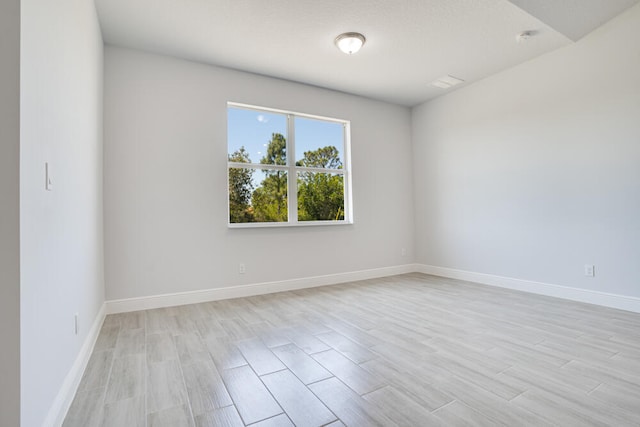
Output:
x,y
287,224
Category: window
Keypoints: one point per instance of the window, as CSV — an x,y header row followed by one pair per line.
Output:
x,y
286,168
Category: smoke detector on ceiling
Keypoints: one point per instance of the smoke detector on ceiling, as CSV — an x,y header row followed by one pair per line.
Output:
x,y
525,35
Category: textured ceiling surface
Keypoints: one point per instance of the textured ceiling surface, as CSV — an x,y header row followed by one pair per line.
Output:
x,y
410,43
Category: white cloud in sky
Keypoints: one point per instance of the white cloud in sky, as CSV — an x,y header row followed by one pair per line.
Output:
x,y
262,119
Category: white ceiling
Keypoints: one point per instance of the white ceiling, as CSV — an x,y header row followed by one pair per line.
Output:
x,y
410,43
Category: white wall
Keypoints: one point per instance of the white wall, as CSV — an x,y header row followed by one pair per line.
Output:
x,y
165,181
10,213
534,172
61,230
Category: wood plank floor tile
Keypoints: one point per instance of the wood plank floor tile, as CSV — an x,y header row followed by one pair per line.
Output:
x,y
490,405
302,406
182,324
191,349
258,355
500,385
252,399
130,342
400,408
237,329
355,352
179,416
210,328
96,373
360,317
350,408
161,347
108,337
556,411
623,362
277,421
459,414
554,380
132,320
224,352
357,378
619,397
222,310
469,355
424,392
127,412
604,373
305,340
159,320
301,364
205,387
86,409
222,417
359,336
165,386
127,378
269,335
385,337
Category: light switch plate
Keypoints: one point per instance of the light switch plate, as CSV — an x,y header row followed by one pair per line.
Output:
x,y
48,183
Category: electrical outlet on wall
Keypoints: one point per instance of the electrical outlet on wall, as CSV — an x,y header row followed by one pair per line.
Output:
x,y
403,252
242,268
589,270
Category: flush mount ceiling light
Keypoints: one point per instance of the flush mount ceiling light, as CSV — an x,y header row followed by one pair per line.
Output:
x,y
350,43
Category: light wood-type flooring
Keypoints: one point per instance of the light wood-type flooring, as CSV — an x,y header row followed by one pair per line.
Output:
x,y
410,350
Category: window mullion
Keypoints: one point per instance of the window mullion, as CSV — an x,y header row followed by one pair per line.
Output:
x,y
346,146
257,166
320,170
293,176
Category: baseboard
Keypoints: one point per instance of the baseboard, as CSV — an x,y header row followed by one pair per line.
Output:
x,y
621,302
193,297
65,396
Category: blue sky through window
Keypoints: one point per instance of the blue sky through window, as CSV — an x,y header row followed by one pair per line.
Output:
x,y
313,134
252,129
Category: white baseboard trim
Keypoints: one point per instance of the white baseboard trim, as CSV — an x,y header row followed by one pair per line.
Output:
x,y
214,294
67,392
621,302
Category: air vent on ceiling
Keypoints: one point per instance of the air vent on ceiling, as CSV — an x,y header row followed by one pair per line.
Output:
x,y
446,82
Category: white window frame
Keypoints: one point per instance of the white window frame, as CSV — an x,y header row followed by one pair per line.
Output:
x,y
292,171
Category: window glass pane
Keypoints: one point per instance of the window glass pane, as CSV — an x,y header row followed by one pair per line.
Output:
x,y
241,186
269,199
257,195
319,143
260,135
320,196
